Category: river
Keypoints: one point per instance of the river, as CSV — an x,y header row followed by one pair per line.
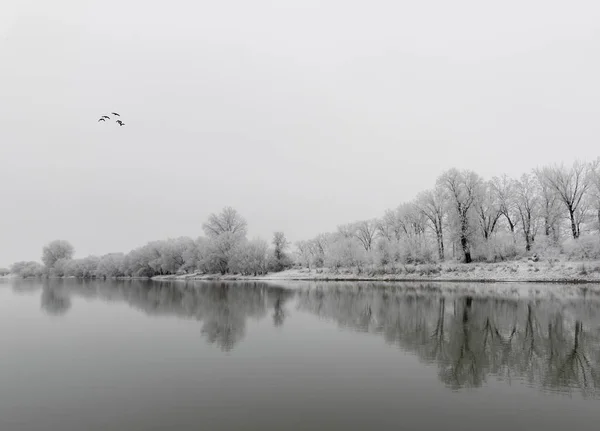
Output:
x,y
143,355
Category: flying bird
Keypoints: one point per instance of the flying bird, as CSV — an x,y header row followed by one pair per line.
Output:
x,y
114,113
106,116
101,119
120,123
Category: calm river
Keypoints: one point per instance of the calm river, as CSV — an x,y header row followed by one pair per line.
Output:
x,y
134,355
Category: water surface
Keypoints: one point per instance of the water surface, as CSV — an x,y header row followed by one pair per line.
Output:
x,y
136,355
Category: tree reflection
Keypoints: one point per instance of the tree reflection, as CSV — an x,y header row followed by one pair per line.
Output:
x,y
472,338
222,308
55,300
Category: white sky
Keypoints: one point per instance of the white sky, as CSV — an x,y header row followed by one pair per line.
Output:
x,y
301,114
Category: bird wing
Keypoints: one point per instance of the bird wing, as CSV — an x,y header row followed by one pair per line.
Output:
x,y
114,113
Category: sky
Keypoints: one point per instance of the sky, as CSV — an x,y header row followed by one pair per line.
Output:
x,y
301,114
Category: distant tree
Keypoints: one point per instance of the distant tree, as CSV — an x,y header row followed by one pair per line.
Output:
x,y
27,269
549,205
226,232
503,190
4,271
111,265
570,185
432,204
251,258
173,253
82,268
389,226
528,203
60,267
304,253
56,250
488,210
281,260
347,230
227,221
410,220
345,253
461,188
221,250
366,232
318,247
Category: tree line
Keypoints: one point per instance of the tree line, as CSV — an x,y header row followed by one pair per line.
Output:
x,y
225,249
550,210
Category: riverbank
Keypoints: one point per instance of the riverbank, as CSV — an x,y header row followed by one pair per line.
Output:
x,y
521,271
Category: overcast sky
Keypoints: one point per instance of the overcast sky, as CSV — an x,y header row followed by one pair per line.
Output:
x,y
301,114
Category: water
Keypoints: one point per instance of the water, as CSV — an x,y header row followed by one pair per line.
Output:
x,y
134,355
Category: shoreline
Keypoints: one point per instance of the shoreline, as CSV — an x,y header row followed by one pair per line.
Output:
x,y
369,279
547,271
513,272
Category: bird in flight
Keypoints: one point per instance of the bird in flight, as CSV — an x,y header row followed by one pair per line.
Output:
x,y
120,123
114,113
101,119
106,116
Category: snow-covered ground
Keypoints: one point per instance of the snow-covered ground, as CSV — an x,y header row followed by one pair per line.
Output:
x,y
520,271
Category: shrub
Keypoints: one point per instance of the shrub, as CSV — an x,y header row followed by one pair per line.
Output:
x,y
585,247
27,269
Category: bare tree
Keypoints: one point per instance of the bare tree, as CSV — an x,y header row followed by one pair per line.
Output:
x,y
461,188
347,230
528,207
280,244
488,210
503,189
431,203
549,205
227,221
318,247
410,220
303,253
366,232
571,185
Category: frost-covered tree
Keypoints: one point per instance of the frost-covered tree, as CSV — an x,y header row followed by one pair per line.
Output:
x,y
488,209
366,232
227,221
570,186
226,232
281,260
462,188
111,265
58,249
528,203
432,205
549,206
503,190
251,258
27,269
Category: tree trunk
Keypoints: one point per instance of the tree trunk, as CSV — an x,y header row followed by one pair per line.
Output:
x,y
440,241
465,246
527,241
573,225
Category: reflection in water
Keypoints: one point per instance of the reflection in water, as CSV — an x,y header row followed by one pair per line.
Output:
x,y
549,344
55,300
223,308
